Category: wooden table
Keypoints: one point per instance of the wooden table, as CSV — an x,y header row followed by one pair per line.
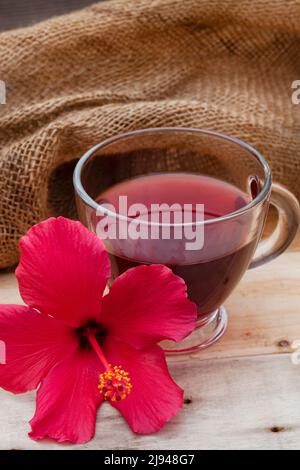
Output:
x,y
241,393
244,392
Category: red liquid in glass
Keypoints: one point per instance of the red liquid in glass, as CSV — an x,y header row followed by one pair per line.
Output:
x,y
209,281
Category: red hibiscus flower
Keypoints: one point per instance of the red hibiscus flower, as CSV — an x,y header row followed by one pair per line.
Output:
x,y
83,348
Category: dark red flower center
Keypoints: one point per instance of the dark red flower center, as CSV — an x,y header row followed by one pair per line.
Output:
x,y
114,382
98,330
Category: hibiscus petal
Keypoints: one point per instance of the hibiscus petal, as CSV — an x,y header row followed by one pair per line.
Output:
x,y
63,270
68,399
155,398
148,304
34,343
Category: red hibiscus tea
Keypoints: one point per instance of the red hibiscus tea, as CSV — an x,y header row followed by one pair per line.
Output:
x,y
211,272
227,185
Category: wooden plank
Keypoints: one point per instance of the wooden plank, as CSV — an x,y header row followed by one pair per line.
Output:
x,y
9,292
244,391
245,403
264,315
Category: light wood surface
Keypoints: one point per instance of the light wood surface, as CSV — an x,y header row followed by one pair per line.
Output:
x,y
241,393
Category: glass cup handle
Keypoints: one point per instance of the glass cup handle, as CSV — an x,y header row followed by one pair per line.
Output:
x,y
285,231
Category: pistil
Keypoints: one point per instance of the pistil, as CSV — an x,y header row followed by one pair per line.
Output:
x,y
114,383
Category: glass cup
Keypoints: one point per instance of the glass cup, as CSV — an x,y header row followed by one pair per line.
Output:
x,y
228,176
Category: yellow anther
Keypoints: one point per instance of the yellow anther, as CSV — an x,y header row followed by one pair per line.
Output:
x,y
114,383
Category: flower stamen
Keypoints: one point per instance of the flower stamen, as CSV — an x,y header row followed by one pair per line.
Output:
x,y
114,383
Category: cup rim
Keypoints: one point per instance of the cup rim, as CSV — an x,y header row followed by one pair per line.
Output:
x,y
156,130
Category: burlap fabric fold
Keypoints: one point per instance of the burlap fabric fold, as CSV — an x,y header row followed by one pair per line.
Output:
x,y
119,65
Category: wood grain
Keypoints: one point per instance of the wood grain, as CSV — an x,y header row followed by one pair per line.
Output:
x,y
244,390
248,403
242,393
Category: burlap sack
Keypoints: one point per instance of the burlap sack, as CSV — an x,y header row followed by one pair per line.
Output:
x,y
72,81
